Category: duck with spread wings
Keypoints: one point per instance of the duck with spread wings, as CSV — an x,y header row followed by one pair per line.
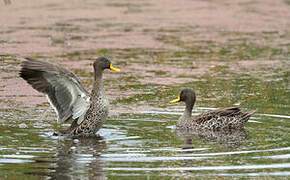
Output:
x,y
68,97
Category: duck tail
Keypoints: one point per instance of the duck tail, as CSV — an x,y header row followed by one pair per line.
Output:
x,y
246,116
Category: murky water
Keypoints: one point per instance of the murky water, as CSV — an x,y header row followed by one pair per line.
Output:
x,y
160,48
144,145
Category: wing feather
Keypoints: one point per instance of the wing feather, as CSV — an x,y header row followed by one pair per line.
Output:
x,y
63,89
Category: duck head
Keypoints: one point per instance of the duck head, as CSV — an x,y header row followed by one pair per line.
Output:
x,y
187,95
102,63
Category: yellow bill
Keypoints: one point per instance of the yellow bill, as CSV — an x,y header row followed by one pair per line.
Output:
x,y
175,100
114,69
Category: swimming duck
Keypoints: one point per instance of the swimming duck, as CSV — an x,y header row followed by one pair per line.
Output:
x,y
68,97
219,119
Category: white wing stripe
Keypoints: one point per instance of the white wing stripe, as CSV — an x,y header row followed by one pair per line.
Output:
x,y
54,108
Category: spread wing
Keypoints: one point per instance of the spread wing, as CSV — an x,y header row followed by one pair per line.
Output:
x,y
63,89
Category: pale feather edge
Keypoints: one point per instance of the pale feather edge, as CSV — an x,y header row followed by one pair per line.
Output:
x,y
54,108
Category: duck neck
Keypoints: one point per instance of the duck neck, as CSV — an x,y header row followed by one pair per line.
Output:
x,y
188,110
187,113
98,83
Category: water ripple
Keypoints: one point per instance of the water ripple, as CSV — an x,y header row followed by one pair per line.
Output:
x,y
239,152
205,168
152,159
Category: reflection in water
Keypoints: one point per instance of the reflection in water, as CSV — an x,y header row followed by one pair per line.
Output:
x,y
76,157
231,138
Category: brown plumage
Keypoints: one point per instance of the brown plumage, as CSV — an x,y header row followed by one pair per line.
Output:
x,y
227,118
67,96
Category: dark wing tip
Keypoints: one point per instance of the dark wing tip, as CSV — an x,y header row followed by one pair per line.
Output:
x,y
33,76
251,112
29,58
25,71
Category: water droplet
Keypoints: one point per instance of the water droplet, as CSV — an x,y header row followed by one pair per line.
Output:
x,y
22,125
